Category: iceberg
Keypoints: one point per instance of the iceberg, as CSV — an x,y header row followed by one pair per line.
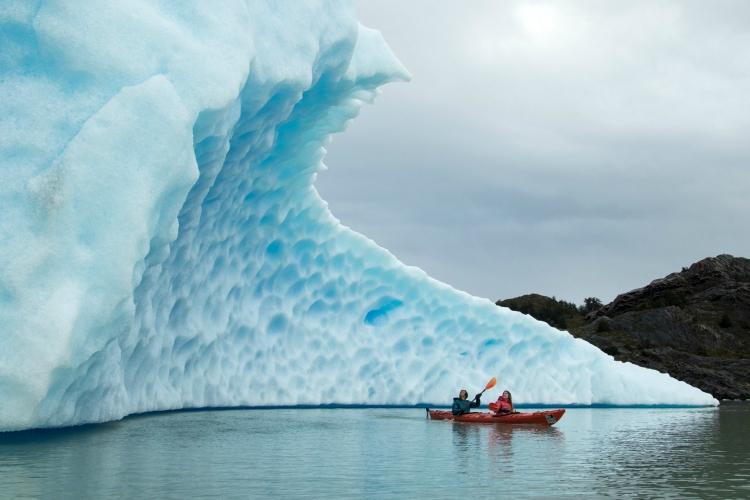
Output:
x,y
162,245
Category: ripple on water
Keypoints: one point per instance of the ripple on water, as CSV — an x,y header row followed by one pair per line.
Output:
x,y
386,452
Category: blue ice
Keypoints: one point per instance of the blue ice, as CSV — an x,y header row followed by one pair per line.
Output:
x,y
162,244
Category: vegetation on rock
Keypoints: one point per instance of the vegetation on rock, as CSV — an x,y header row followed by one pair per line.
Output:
x,y
694,325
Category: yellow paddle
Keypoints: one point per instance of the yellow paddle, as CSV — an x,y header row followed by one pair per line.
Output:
x,y
492,383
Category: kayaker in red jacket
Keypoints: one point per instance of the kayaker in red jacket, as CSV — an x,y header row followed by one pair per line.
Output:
x,y
504,404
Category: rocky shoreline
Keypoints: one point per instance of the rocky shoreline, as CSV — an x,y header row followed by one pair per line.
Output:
x,y
694,325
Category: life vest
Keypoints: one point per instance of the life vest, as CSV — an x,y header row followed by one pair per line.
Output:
x,y
502,405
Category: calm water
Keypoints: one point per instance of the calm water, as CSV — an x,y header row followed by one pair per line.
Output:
x,y
385,453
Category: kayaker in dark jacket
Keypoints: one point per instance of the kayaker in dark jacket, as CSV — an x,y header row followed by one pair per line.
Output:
x,y
461,404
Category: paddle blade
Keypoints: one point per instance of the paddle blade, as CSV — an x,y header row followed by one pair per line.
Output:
x,y
491,384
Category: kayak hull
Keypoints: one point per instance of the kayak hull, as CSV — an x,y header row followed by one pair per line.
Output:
x,y
537,418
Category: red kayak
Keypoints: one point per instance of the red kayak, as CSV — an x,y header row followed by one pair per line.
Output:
x,y
538,417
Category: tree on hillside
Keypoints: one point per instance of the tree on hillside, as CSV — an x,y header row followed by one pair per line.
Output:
x,y
590,304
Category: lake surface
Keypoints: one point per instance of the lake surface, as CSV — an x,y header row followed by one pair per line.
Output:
x,y
385,453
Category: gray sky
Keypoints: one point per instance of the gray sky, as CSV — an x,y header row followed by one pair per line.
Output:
x,y
572,149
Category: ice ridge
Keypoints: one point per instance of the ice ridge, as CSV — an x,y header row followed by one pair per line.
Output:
x,y
162,245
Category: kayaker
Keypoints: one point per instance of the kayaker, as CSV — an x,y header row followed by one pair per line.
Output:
x,y
504,404
461,404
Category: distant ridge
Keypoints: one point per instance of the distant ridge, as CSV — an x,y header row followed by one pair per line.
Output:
x,y
694,324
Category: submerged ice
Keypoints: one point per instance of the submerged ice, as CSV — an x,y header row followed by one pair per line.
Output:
x,y
162,245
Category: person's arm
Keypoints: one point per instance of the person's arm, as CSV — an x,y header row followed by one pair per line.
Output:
x,y
477,401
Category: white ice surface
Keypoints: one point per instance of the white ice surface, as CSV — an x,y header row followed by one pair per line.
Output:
x,y
162,245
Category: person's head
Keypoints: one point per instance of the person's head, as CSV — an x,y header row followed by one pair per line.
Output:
x,y
506,395
463,394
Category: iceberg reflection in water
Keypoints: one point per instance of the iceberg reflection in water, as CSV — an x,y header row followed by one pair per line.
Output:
x,y
385,453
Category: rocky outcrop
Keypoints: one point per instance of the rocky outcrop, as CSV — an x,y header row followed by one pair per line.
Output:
x,y
723,282
724,378
694,325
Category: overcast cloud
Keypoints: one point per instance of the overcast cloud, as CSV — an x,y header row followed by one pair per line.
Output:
x,y
564,148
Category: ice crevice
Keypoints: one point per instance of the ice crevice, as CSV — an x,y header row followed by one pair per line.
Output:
x,y
162,244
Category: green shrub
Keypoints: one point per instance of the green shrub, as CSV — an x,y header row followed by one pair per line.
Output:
x,y
590,304
551,311
602,326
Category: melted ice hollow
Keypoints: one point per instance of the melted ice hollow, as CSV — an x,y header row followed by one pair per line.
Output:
x,y
162,244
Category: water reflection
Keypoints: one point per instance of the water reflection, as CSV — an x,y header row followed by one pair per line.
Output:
x,y
635,447
385,453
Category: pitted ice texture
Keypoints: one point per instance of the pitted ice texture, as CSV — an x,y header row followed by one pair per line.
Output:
x,y
162,245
